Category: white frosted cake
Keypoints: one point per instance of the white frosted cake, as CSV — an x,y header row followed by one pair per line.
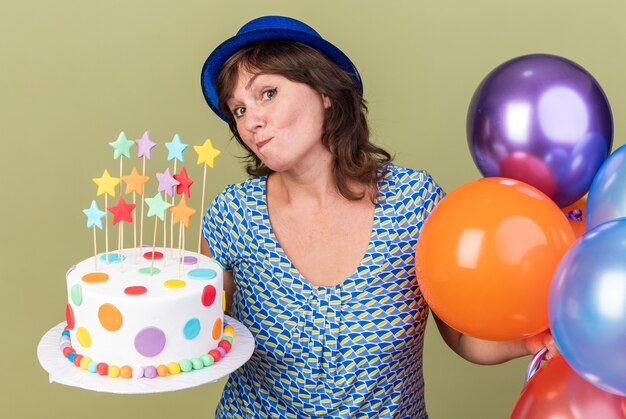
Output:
x,y
134,316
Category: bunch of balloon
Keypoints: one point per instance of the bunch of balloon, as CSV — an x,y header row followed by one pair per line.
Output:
x,y
587,301
485,258
555,391
538,127
544,120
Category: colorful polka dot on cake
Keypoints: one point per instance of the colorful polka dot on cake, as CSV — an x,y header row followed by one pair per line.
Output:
x,y
77,294
217,329
149,271
153,255
189,260
112,258
135,290
83,337
69,316
191,328
174,283
202,273
95,277
208,295
150,341
110,317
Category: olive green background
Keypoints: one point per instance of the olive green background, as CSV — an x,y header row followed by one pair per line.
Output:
x,y
75,73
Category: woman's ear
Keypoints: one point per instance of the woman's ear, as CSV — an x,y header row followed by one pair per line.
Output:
x,y
326,101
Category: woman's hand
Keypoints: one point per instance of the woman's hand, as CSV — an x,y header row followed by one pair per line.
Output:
x,y
543,339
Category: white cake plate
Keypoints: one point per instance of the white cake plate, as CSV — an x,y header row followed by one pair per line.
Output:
x,y
64,372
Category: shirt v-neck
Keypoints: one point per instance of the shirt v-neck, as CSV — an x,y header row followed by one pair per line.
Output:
x,y
348,282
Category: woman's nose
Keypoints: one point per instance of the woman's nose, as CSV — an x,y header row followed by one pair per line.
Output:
x,y
254,118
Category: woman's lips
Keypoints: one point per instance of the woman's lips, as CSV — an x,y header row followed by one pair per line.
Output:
x,y
262,143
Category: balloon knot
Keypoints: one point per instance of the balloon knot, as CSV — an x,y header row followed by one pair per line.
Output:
x,y
576,215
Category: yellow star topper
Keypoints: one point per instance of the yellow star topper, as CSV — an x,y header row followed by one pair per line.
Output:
x,y
134,182
106,183
207,153
182,212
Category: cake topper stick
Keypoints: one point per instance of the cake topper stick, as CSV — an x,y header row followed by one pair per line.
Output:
x,y
206,154
144,149
182,213
121,147
165,241
106,185
143,171
176,149
183,188
135,184
172,216
94,219
134,233
156,207
180,246
106,232
95,251
121,212
167,183
156,223
119,245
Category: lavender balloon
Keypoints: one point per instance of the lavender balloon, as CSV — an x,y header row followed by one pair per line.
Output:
x,y
543,120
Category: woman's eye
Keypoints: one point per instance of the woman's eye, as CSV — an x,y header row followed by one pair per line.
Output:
x,y
269,93
238,112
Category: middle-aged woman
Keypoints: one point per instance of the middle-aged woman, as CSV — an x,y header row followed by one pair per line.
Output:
x,y
318,243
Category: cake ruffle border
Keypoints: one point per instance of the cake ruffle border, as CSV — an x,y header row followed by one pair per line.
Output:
x,y
150,371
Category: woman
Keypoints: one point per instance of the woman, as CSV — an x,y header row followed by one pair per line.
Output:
x,y
318,242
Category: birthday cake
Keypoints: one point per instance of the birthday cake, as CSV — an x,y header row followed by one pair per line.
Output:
x,y
145,311
134,317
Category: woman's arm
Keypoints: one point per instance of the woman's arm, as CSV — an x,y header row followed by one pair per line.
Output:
x,y
229,282
487,352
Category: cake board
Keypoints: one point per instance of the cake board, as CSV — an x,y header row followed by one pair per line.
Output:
x,y
62,371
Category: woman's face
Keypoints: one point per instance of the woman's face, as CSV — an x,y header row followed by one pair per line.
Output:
x,y
279,120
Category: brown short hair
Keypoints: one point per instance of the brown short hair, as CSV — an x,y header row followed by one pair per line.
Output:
x,y
345,130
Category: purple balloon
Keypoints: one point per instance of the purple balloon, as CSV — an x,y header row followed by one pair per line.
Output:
x,y
543,120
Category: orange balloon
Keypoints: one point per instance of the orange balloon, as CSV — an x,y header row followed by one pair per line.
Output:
x,y
557,392
486,255
576,217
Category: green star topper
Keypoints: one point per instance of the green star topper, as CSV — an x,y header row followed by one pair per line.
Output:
x,y
121,146
157,206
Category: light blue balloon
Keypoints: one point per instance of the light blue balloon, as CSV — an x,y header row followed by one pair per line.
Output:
x,y
607,193
587,306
